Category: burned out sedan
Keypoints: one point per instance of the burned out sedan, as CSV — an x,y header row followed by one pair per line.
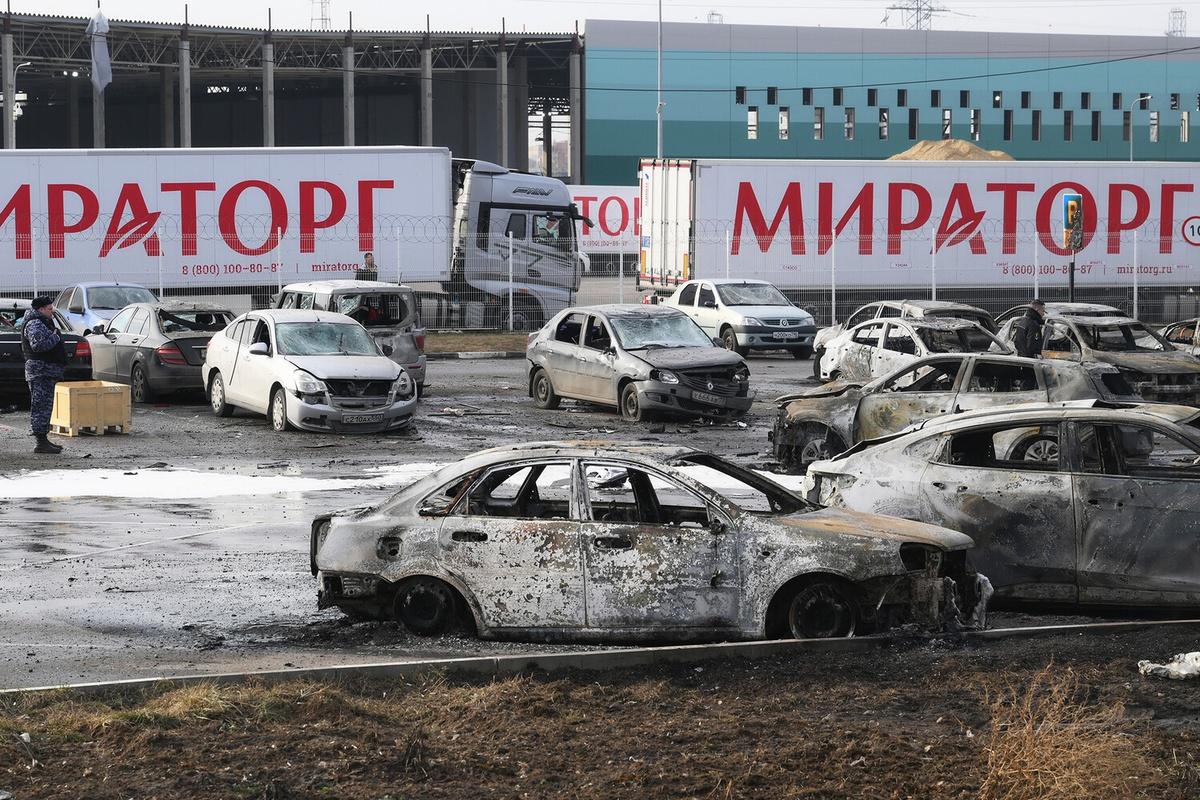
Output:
x,y
1076,503
587,540
640,358
822,422
873,349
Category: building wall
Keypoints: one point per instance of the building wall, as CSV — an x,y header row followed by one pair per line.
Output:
x,y
709,61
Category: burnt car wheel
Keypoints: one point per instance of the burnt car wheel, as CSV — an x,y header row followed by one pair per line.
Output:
x,y
216,396
279,418
631,405
544,395
139,385
816,442
802,353
822,609
730,340
425,606
1043,449
817,355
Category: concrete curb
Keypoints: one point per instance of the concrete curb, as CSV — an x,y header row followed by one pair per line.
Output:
x,y
602,659
475,355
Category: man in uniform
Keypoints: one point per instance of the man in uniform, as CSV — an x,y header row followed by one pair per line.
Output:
x,y
45,359
1028,334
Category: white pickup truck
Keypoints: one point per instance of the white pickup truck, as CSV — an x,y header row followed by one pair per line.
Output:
x,y
746,315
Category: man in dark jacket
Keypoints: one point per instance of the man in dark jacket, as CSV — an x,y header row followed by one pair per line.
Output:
x,y
1028,334
45,360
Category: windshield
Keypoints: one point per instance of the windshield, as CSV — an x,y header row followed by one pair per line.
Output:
x,y
748,490
184,321
110,298
324,339
1123,338
641,331
961,340
751,294
375,309
982,320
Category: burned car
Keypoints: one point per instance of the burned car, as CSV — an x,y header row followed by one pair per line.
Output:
x,y
1056,309
640,358
586,540
1086,503
822,422
1154,367
875,348
1185,335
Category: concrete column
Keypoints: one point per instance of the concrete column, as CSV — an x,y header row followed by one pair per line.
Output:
x,y
548,141
167,97
268,90
521,113
576,102
502,103
73,109
426,93
185,92
348,93
9,87
97,118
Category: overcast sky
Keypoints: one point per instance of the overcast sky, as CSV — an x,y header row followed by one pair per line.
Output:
x,y
1146,17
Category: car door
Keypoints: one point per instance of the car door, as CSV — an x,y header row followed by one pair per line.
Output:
x,y
986,483
106,346
1183,336
992,382
1059,341
1139,519
686,300
513,540
596,359
899,348
75,310
708,314
564,356
222,349
858,354
250,384
652,557
129,341
921,392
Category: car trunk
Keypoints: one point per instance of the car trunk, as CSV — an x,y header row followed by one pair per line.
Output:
x,y
194,345
398,324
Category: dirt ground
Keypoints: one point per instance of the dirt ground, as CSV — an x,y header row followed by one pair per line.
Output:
x,y
475,341
911,721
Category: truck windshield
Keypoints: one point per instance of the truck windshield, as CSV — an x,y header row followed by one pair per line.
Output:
x,y
375,309
324,339
642,331
751,294
1123,338
110,298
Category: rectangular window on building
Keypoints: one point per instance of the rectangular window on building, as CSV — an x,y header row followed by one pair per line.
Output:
x,y
752,122
883,124
935,98
1185,127
837,95
819,123
772,95
1145,104
997,99
1096,129
1026,99
976,124
1127,127
784,121
1035,125
1154,126
1085,100
902,97
739,95
1008,125
1174,101
872,97
806,96
1057,100
964,98
1068,125
947,123
914,123
1117,101
849,124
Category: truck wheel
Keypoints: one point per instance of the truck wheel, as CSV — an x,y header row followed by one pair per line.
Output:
x,y
729,338
544,395
817,355
631,405
524,318
216,396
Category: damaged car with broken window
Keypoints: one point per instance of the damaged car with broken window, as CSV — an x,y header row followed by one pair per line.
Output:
x,y
822,422
643,359
1083,503
588,540
875,348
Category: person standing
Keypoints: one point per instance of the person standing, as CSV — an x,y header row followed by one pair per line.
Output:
x,y
368,271
45,360
1028,334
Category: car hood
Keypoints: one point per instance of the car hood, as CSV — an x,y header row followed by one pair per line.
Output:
x,y
1152,363
844,522
376,368
689,357
831,389
774,312
103,313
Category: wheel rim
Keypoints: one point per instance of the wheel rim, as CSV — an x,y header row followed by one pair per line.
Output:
x,y
423,605
822,612
631,404
139,385
541,387
814,450
278,412
217,394
1044,450
730,339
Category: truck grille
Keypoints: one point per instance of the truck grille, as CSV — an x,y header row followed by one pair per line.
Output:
x,y
719,381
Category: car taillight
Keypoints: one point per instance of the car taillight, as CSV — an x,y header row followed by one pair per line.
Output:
x,y
83,349
420,337
171,354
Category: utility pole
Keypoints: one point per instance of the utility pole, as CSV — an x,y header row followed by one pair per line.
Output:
x,y
917,14
658,113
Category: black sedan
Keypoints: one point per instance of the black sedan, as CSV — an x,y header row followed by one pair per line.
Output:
x,y
12,362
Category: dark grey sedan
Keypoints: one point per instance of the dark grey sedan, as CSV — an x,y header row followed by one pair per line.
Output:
x,y
156,347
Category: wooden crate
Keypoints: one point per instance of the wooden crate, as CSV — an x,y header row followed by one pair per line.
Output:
x,y
94,407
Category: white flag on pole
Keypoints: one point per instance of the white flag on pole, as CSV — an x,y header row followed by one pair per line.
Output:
x,y
97,29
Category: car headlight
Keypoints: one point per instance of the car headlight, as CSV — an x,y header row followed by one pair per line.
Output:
x,y
403,384
663,376
753,321
307,384
742,374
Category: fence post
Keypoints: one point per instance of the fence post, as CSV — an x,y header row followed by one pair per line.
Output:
x,y
832,280
727,246
932,263
510,281
36,261
399,274
1135,274
1037,268
620,277
158,235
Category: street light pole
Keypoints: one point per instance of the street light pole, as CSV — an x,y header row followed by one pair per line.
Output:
x,y
1131,105
659,108
10,105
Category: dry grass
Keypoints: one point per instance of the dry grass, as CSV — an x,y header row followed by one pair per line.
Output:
x,y
475,341
1047,742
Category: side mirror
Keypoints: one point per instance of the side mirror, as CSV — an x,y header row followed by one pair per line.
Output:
x,y
717,526
429,511
387,350
609,351
75,309
97,328
718,342
260,349
708,304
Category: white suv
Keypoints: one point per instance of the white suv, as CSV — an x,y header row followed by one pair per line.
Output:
x,y
747,315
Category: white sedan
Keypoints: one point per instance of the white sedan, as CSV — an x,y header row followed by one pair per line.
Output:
x,y
315,370
881,346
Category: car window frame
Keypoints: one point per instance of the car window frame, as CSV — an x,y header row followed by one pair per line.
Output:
x,y
585,497
872,308
907,333
1065,465
1120,469
694,289
461,506
582,328
586,334
712,292
135,329
969,375
866,326
888,382
108,328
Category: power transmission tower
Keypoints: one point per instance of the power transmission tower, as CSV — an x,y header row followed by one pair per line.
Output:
x,y
917,14
1177,22
320,15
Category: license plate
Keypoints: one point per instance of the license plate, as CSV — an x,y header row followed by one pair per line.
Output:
x,y
361,419
785,335
711,399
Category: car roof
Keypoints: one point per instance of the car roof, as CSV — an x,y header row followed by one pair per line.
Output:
x,y
728,281
928,305
1094,320
931,323
637,451
181,305
342,285
1071,409
301,315
102,284
626,309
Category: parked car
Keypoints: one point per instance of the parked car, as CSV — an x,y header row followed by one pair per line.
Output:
x,y
12,360
640,358
1183,335
156,347
314,370
1107,516
878,347
389,311
86,304
890,309
746,315
1152,366
645,542
1063,309
822,422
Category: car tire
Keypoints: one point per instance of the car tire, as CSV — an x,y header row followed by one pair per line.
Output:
x,y
817,355
815,442
1040,449
730,340
140,390
425,606
216,396
544,395
631,404
801,353
823,609
278,411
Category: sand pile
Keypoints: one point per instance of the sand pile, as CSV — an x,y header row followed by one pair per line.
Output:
x,y
949,150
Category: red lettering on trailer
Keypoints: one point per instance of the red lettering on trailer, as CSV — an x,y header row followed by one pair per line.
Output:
x,y
1048,210
585,205
139,228
863,204
1167,207
1116,224
896,223
187,211
19,206
1008,215
603,213
965,228
749,210
366,212
227,218
309,224
56,224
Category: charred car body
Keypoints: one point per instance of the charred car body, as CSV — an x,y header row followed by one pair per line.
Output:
x,y
639,358
582,540
1076,503
822,422
875,348
1056,309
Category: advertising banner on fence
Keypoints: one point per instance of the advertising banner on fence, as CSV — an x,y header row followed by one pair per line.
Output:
x,y
615,211
223,217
